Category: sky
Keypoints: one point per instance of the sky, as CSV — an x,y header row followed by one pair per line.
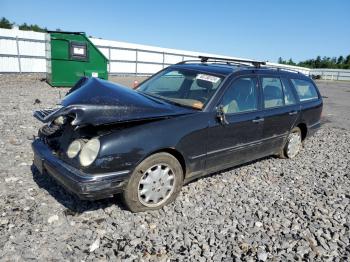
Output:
x,y
263,30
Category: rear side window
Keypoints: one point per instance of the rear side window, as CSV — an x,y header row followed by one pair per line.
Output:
x,y
289,98
273,92
305,89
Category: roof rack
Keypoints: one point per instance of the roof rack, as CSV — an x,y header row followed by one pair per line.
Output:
x,y
278,68
205,59
258,64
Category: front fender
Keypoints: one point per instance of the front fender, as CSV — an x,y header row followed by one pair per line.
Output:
x,y
124,149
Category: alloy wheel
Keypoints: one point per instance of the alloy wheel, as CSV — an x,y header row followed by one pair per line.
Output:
x,y
156,185
294,144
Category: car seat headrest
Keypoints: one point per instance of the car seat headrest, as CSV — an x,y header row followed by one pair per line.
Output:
x,y
204,84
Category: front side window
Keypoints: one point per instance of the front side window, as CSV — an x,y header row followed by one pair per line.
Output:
x,y
273,92
241,96
305,89
184,87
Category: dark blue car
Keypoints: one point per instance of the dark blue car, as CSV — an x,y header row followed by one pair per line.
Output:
x,y
188,120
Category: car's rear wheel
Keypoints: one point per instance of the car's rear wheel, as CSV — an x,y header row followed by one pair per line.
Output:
x,y
155,182
293,144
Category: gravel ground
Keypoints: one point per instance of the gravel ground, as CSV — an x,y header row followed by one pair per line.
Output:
x,y
272,209
336,97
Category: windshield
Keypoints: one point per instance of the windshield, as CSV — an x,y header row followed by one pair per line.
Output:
x,y
184,87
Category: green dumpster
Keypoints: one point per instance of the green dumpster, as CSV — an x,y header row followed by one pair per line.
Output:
x,y
71,56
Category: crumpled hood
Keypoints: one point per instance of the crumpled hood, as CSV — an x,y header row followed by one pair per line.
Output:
x,y
96,102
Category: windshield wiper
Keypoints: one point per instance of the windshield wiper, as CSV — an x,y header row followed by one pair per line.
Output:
x,y
181,104
167,100
152,97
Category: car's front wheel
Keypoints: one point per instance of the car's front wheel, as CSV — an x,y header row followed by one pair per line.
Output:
x,y
293,144
155,182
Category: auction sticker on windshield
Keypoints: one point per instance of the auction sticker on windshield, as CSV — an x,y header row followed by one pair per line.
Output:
x,y
210,78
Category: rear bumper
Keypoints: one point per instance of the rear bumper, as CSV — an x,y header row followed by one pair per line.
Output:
x,y
85,186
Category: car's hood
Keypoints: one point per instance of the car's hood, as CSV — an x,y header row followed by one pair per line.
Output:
x,y
97,102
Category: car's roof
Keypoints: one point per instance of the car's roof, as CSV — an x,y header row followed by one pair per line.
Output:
x,y
227,69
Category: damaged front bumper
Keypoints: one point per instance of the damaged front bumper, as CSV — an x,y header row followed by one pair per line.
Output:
x,y
85,186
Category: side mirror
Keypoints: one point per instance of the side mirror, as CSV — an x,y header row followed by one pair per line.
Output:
x,y
220,114
135,84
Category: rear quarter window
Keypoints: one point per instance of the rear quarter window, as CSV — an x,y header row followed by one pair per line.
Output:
x,y
305,89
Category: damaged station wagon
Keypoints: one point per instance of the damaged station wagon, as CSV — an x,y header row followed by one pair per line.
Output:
x,y
191,119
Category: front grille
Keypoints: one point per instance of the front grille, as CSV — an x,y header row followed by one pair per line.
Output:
x,y
44,114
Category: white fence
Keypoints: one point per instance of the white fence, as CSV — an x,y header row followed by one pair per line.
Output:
x,y
332,74
24,51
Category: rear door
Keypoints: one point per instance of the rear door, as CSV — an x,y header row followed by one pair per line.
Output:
x,y
280,111
237,140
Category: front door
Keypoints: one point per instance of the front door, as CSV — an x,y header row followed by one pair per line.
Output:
x,y
237,139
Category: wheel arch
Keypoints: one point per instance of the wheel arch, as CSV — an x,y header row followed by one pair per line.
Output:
x,y
172,151
303,129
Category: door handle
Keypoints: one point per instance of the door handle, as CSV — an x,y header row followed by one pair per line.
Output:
x,y
293,113
258,120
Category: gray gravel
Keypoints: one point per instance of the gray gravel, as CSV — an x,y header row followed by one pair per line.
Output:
x,y
336,97
271,209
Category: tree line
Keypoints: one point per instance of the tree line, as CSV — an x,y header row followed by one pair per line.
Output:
x,y
5,23
325,62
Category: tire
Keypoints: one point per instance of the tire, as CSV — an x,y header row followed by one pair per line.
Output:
x,y
154,183
294,140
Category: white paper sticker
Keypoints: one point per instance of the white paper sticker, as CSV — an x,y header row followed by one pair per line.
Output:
x,y
209,78
94,74
78,51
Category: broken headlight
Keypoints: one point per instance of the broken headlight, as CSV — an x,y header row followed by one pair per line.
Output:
x,y
89,152
74,148
60,120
